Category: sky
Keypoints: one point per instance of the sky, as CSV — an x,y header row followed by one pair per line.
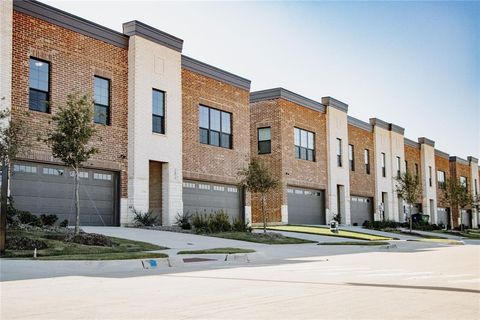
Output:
x,y
415,64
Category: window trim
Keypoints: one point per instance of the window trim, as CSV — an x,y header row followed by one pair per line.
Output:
x,y
258,140
383,163
314,157
399,167
441,184
107,120
38,90
339,153
351,157
366,160
230,135
162,118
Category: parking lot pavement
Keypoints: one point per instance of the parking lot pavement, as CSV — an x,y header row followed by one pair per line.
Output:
x,y
440,282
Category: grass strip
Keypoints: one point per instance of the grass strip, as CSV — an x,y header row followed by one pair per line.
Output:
x,y
217,251
323,231
354,243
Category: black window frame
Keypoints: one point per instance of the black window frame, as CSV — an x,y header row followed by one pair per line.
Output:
x,y
430,179
417,171
384,164
339,153
351,157
304,153
264,142
210,132
441,184
156,116
30,89
399,167
107,118
366,160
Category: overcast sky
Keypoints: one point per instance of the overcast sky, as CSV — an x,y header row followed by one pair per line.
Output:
x,y
416,64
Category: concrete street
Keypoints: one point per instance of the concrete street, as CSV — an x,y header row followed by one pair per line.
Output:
x,y
406,280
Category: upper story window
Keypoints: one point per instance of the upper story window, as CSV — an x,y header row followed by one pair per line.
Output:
x,y
264,141
441,179
366,156
102,100
215,127
399,161
304,144
476,187
406,165
417,173
463,181
39,85
383,162
339,152
430,183
158,111
351,157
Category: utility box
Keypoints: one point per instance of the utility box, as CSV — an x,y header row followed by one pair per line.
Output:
x,y
334,226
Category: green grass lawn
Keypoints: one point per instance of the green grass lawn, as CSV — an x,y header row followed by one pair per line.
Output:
x,y
354,243
259,237
217,251
324,231
413,234
59,250
470,234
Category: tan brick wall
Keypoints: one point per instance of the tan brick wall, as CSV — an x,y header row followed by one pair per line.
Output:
x,y
456,171
361,183
74,60
441,164
413,157
206,162
283,116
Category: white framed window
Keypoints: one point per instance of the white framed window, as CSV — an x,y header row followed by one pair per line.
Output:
x,y
218,188
24,168
232,189
53,171
202,186
102,176
189,185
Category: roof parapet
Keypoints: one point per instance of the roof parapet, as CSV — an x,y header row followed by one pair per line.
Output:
x,y
423,140
137,28
472,159
442,154
459,160
281,93
334,103
359,124
411,143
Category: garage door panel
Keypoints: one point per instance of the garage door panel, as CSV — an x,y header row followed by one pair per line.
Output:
x,y
204,197
361,209
46,192
306,206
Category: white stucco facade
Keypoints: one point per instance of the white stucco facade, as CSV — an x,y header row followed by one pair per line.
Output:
x,y
338,177
475,189
6,24
397,152
154,66
429,187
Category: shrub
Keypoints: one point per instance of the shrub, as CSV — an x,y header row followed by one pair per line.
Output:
x,y
89,239
144,218
183,220
64,223
240,226
26,217
378,225
23,243
200,222
48,219
219,222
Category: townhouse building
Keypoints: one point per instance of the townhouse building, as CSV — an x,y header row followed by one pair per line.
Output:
x,y
173,133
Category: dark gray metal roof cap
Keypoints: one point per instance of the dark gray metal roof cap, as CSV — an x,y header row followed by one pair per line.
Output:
x,y
359,124
411,143
137,28
442,154
423,140
459,160
380,123
398,129
472,159
71,22
281,93
337,104
215,73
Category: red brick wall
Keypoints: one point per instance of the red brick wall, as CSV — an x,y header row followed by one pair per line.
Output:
x,y
206,162
361,183
74,60
441,164
413,157
456,171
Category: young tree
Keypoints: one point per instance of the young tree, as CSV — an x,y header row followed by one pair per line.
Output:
x,y
410,189
258,179
13,141
458,197
70,141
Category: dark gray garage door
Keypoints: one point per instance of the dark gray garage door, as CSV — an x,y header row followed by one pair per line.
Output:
x,y
361,209
443,216
205,197
467,218
45,188
306,206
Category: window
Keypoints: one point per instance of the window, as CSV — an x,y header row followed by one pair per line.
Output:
x,y
24,168
339,152
399,161
215,127
416,170
406,165
384,169
158,111
351,157
264,141
430,176
83,174
304,144
366,156
102,100
441,179
39,85
476,187
53,171
463,181
102,176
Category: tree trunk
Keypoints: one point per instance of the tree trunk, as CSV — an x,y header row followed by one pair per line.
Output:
x,y
461,219
4,203
263,214
77,203
410,208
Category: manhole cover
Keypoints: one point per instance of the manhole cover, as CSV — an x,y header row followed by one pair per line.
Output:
x,y
186,260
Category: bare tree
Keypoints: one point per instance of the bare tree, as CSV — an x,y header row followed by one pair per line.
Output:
x,y
70,140
410,189
258,179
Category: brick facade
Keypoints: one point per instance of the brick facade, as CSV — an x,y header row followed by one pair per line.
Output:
x,y
441,164
206,162
361,183
74,61
413,158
